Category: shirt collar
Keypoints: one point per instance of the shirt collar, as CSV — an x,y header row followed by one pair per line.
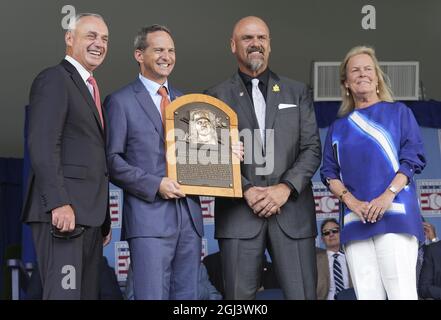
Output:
x,y
263,77
152,86
81,70
331,253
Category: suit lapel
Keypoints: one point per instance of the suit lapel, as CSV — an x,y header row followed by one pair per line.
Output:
x,y
148,106
272,100
244,103
240,94
173,93
76,78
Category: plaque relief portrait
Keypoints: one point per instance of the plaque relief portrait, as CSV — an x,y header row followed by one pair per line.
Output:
x,y
202,127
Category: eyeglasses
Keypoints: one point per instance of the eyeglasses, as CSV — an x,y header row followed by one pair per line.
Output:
x,y
328,232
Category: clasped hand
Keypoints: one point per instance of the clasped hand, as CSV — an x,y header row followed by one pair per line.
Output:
x,y
372,211
267,201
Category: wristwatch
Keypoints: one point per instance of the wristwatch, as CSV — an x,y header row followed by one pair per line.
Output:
x,y
392,189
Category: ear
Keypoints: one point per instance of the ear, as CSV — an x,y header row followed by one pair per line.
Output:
x,y
68,38
233,46
138,56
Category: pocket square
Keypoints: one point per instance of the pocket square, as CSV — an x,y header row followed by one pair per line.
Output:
x,y
285,106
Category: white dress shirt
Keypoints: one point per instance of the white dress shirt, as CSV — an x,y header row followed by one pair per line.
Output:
x,y
153,87
82,71
344,269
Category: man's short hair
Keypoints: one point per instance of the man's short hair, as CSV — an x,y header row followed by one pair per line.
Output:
x,y
140,42
324,222
73,21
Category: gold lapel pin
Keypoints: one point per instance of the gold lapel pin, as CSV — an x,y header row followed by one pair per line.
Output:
x,y
276,88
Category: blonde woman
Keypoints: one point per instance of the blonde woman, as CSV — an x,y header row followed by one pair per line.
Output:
x,y
371,154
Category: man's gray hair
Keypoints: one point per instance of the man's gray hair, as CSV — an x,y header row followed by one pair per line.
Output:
x,y
73,21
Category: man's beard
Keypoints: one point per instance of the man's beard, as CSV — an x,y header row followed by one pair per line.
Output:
x,y
255,64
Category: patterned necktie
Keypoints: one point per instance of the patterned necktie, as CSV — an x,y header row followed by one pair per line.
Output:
x,y
338,275
259,107
164,102
419,264
96,97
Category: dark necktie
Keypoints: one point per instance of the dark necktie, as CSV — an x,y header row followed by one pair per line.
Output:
x,y
338,275
419,264
96,97
164,102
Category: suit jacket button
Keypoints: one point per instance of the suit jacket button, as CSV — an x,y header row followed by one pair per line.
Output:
x,y
106,174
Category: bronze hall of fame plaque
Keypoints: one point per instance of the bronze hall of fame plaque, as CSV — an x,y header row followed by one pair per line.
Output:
x,y
200,131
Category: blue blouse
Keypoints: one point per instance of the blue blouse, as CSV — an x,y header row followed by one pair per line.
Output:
x,y
365,149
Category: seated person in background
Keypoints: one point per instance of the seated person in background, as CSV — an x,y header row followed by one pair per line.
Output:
x,y
429,232
430,237
206,290
332,270
213,265
430,277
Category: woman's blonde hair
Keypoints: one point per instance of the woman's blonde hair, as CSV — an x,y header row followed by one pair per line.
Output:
x,y
348,103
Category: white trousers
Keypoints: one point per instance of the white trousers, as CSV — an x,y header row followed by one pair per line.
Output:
x,y
384,266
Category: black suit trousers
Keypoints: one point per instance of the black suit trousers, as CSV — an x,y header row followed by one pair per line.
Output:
x,y
69,269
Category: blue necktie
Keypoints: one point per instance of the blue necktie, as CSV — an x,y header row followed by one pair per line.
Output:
x,y
338,275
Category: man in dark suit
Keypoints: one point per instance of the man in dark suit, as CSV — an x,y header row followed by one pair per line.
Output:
x,y
278,206
429,286
66,202
163,227
430,235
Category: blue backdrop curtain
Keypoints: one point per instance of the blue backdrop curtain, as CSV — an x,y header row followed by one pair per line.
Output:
x,y
28,250
10,207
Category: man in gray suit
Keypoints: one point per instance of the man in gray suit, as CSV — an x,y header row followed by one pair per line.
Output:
x,y
277,211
